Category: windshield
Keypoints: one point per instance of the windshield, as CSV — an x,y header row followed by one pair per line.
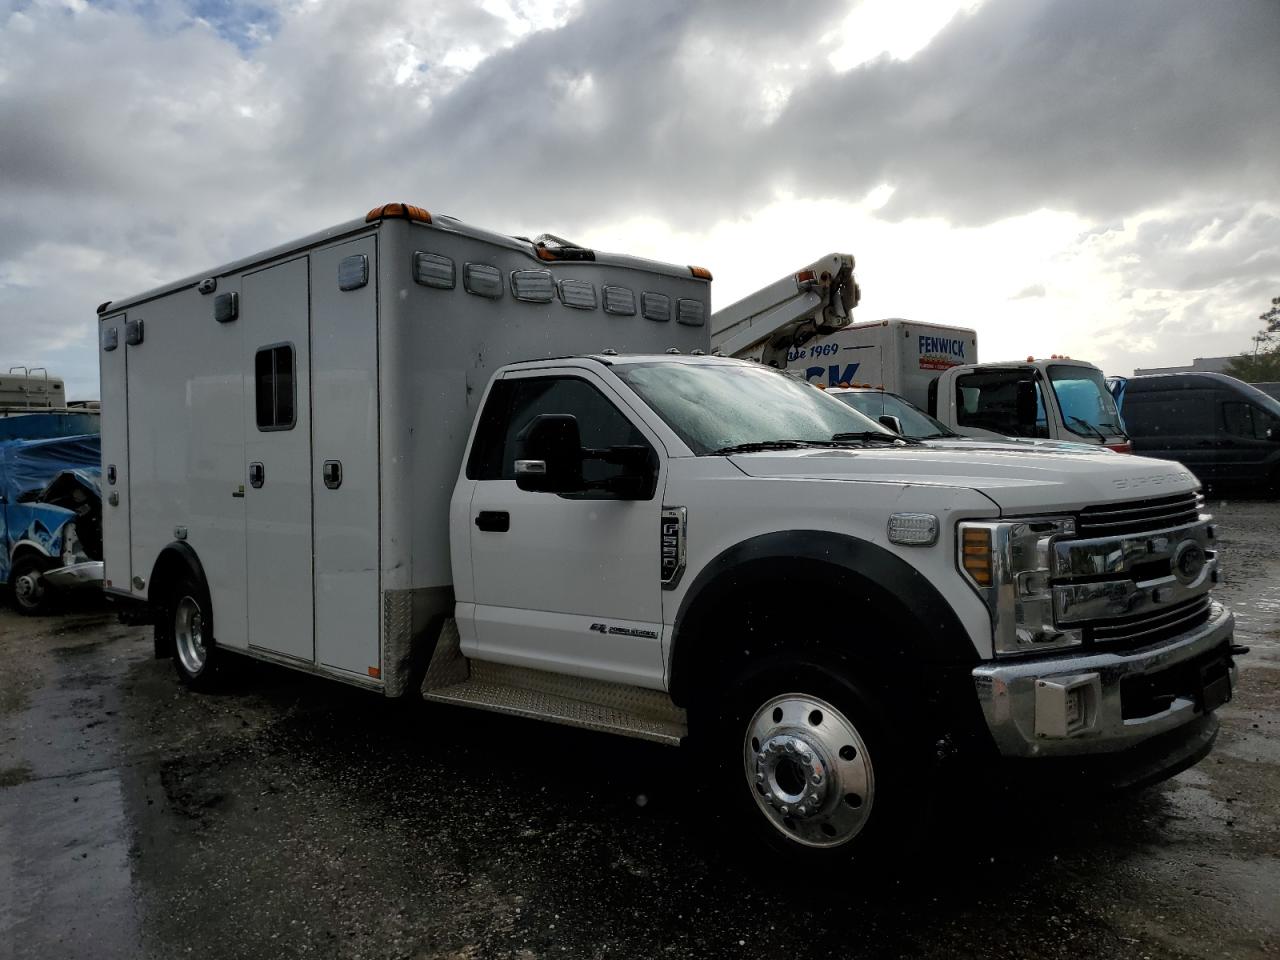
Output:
x,y
915,422
1088,409
717,405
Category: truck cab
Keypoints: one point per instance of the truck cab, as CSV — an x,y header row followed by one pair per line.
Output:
x,y
1054,399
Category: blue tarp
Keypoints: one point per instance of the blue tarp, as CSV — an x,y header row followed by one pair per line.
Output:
x,y
27,465
34,426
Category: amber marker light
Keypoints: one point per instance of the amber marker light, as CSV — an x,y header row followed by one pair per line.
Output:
x,y
975,553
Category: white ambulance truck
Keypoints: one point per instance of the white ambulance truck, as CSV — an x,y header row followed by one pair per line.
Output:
x,y
803,323
324,456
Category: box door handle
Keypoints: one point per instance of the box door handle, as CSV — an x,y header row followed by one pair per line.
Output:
x,y
332,474
257,475
493,521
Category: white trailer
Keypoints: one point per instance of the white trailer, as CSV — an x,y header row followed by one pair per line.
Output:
x,y
322,456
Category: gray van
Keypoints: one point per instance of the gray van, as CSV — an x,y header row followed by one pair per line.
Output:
x,y
1225,430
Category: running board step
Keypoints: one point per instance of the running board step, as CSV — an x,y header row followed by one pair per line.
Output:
x,y
555,697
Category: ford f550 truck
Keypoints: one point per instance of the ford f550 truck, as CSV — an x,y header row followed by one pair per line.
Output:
x,y
427,459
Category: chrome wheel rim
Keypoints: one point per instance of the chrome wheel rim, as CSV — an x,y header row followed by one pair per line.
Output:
x,y
809,770
188,635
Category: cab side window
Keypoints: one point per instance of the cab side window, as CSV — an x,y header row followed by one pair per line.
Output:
x,y
1003,402
512,404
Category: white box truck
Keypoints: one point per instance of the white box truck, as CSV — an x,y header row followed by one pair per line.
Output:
x,y
802,323
329,456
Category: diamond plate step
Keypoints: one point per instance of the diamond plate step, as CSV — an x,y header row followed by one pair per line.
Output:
x,y
558,698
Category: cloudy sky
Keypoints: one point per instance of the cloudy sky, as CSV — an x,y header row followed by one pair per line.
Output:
x,y
1090,177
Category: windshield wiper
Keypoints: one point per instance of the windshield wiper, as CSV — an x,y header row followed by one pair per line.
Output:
x,y
756,446
873,436
941,436
1089,426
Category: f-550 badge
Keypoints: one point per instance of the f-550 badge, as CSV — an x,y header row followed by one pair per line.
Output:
x,y
624,631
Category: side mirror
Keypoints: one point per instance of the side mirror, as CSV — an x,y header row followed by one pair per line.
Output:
x,y
550,455
892,422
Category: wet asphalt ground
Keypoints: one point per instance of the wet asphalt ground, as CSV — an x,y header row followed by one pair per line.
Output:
x,y
290,816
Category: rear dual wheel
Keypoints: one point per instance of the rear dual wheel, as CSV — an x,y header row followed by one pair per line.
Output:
x,y
189,620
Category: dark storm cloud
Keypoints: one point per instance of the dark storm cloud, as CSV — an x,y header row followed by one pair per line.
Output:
x,y
139,143
1090,106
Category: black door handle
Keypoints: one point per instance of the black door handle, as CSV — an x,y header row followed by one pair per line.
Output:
x,y
332,474
493,521
257,474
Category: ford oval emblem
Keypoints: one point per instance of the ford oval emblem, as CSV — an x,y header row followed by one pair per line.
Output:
x,y
1188,561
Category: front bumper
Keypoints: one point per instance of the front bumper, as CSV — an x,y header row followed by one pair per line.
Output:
x,y
1023,702
75,576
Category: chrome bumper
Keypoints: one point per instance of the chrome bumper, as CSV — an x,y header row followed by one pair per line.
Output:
x,y
87,574
1024,702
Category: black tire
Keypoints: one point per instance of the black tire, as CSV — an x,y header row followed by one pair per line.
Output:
x,y
844,727
188,625
31,596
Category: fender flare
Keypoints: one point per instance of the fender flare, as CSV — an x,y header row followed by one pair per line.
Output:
x,y
930,629
32,545
187,556
177,553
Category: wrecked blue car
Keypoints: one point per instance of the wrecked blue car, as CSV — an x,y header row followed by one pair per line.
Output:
x,y
50,518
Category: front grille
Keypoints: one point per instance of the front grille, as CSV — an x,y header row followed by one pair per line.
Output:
x,y
1149,627
1140,516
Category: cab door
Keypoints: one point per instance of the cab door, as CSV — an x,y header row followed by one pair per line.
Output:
x,y
569,583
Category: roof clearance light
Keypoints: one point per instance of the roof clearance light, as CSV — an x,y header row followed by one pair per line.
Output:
x,y
913,529
1031,359
805,276
702,273
398,211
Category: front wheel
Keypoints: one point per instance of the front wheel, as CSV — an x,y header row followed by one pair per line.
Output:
x,y
31,593
813,768
810,769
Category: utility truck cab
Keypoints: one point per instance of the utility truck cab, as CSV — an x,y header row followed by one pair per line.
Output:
x,y
333,457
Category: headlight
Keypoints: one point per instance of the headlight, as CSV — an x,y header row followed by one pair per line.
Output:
x,y
1008,564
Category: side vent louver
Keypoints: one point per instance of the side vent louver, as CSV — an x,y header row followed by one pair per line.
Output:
x,y
433,270
226,307
579,294
620,301
353,272
655,306
482,280
533,286
692,313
